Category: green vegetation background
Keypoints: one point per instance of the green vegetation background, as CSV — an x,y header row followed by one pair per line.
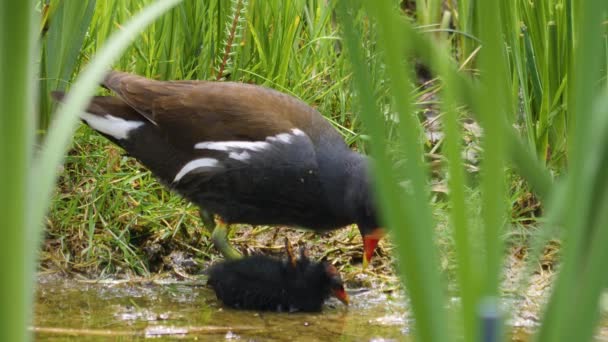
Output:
x,y
531,74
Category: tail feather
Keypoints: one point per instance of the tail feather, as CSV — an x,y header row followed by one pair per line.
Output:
x,y
139,136
137,91
109,115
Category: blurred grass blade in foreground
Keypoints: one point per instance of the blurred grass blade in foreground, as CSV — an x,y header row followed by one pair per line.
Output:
x,y
17,96
406,212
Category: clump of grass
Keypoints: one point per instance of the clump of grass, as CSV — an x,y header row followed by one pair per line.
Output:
x,y
109,213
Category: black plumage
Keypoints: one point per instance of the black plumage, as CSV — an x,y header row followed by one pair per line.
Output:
x,y
266,283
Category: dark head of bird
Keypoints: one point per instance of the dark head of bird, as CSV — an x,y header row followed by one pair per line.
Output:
x,y
270,284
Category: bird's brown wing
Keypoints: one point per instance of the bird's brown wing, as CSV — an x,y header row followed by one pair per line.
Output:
x,y
198,111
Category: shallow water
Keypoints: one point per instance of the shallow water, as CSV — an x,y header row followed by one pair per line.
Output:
x,y
71,310
167,310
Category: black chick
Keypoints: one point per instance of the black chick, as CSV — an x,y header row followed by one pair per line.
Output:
x,y
265,283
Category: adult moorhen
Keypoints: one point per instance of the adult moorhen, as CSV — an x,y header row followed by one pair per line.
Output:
x,y
265,283
246,153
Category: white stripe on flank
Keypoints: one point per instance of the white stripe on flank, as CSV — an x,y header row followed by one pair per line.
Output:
x,y
283,137
119,128
242,156
201,163
297,131
230,145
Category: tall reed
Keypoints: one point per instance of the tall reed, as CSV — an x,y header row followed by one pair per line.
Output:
x,y
17,30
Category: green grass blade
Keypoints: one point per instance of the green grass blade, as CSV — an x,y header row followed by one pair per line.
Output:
x,y
407,214
593,279
62,47
559,317
467,19
531,65
467,266
494,110
17,95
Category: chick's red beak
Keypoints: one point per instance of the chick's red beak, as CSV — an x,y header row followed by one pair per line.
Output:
x,y
341,295
370,241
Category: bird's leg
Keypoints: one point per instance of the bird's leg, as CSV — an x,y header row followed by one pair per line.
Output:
x,y
207,219
208,223
219,236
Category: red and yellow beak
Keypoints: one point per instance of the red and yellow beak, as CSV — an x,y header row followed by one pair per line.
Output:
x,y
341,295
370,241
